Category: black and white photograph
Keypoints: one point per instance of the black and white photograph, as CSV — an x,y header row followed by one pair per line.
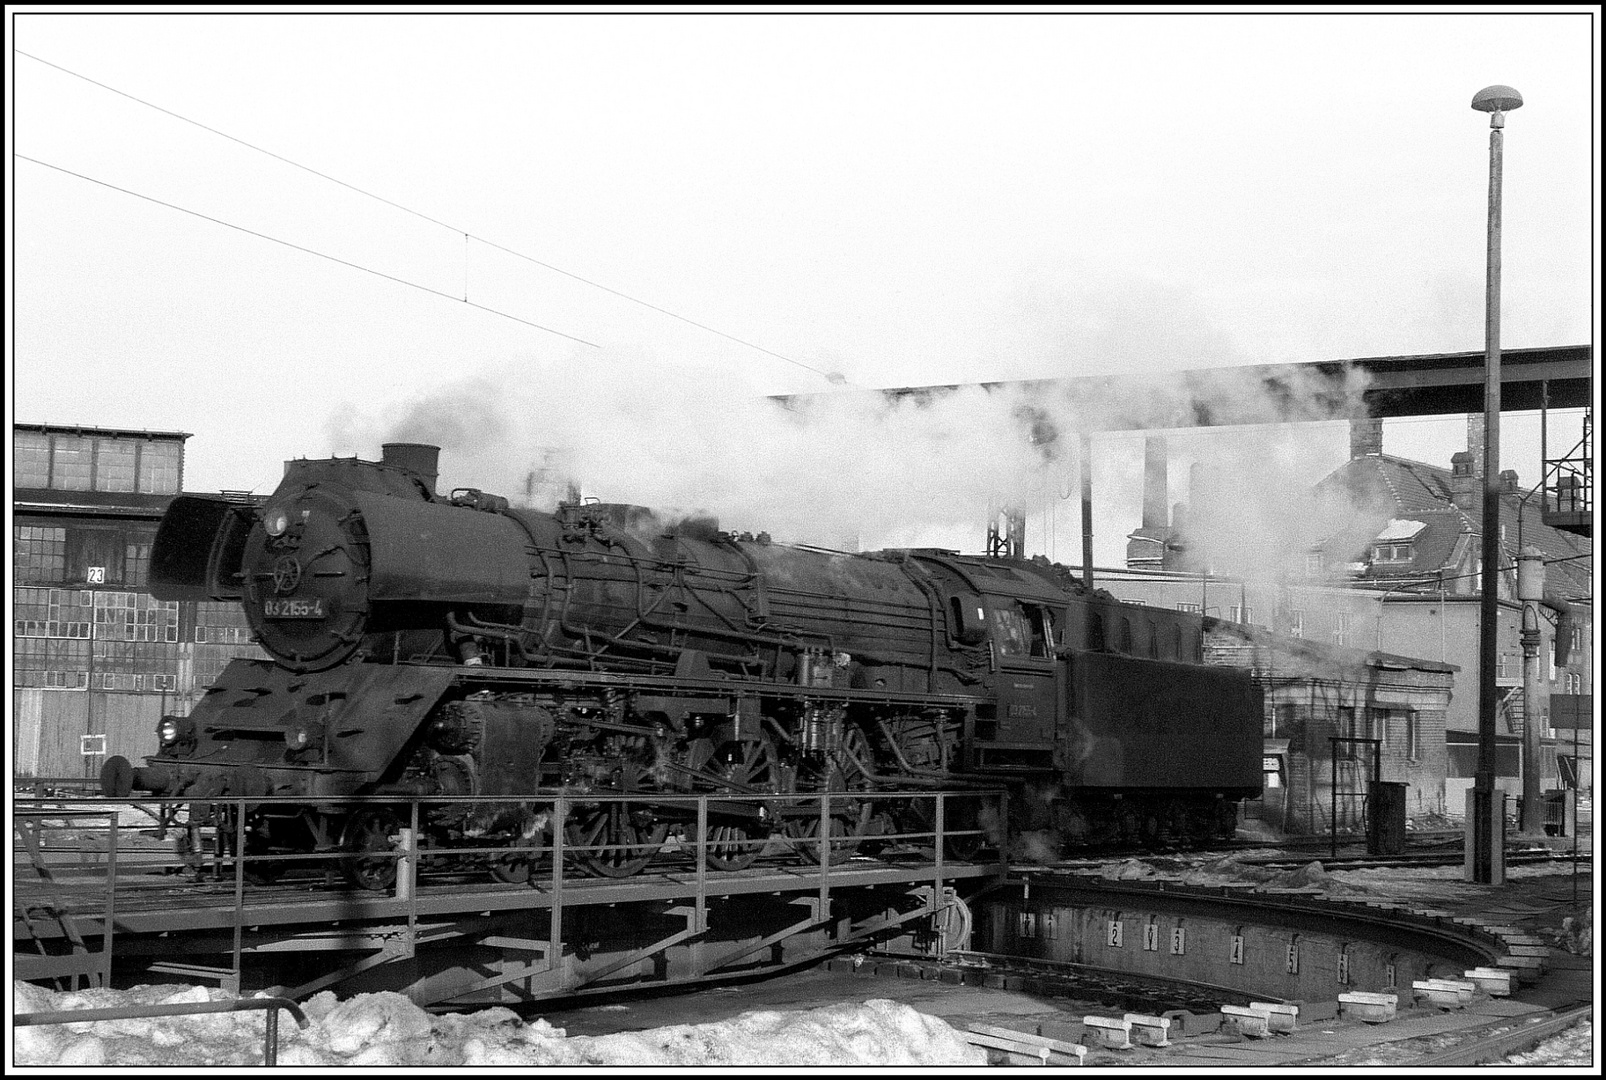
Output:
x,y
802,537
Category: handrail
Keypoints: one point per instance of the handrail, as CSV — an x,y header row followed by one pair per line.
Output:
x,y
270,1037
225,857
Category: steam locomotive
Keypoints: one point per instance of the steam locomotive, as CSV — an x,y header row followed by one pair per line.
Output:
x,y
457,646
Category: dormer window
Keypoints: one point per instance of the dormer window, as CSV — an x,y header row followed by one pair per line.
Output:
x,y
1396,543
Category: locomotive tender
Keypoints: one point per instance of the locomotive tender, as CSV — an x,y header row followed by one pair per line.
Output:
x,y
456,646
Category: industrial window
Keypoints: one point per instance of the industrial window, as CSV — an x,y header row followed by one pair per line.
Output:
x,y
126,616
159,467
1314,563
135,682
39,554
1126,636
56,664
221,624
1296,622
53,613
135,666
1271,770
1240,614
1391,553
1501,665
74,463
1176,643
30,461
1095,632
137,566
1413,735
1188,607
1154,639
114,465
1341,633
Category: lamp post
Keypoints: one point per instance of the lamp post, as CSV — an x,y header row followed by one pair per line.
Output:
x,y
1484,867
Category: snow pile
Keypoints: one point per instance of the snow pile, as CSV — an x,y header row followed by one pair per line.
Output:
x,y
388,1030
1575,1046
1228,871
1127,870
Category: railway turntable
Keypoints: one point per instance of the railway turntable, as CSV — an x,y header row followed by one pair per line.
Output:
x,y
107,900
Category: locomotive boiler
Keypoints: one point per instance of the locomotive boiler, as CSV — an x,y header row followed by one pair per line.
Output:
x,y
456,646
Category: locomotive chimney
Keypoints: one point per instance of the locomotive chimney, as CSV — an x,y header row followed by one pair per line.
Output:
x,y
421,458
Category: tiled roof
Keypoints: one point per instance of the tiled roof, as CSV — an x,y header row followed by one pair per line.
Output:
x,y
1409,485
1418,491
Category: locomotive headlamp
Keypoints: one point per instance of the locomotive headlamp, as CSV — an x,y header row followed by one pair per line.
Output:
x,y
277,522
167,731
297,738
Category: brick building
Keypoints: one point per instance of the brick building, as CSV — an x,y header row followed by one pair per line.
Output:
x,y
1321,679
1398,572
1317,692
1425,559
96,661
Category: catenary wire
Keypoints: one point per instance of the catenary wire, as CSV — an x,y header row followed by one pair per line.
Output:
x,y
307,250
829,376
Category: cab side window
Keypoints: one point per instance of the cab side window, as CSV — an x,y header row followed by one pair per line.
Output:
x,y
1010,629
1023,629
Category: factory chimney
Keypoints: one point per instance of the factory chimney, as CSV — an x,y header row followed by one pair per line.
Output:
x,y
1154,482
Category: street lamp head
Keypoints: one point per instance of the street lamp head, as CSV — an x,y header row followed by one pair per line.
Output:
x,y
1496,101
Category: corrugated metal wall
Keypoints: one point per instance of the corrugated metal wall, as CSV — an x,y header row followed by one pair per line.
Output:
x,y
129,721
48,726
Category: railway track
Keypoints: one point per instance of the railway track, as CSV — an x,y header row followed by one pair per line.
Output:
x,y
1493,1044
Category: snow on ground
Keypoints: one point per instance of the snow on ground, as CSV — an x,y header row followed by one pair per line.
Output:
x,y
387,1030
1575,1046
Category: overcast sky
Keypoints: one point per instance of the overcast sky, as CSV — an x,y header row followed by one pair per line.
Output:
x,y
898,199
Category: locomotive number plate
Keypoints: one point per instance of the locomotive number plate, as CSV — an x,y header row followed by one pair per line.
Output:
x,y
293,609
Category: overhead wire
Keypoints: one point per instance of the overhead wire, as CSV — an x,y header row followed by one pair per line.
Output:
x,y
301,248
833,377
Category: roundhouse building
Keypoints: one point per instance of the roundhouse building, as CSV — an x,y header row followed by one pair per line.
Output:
x,y
96,661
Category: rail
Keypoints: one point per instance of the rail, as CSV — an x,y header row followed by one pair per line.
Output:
x,y
269,1005
1503,1044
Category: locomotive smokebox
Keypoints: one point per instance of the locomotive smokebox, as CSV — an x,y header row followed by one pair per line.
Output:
x,y
421,458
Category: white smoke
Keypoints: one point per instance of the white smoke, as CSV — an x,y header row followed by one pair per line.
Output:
x,y
840,468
